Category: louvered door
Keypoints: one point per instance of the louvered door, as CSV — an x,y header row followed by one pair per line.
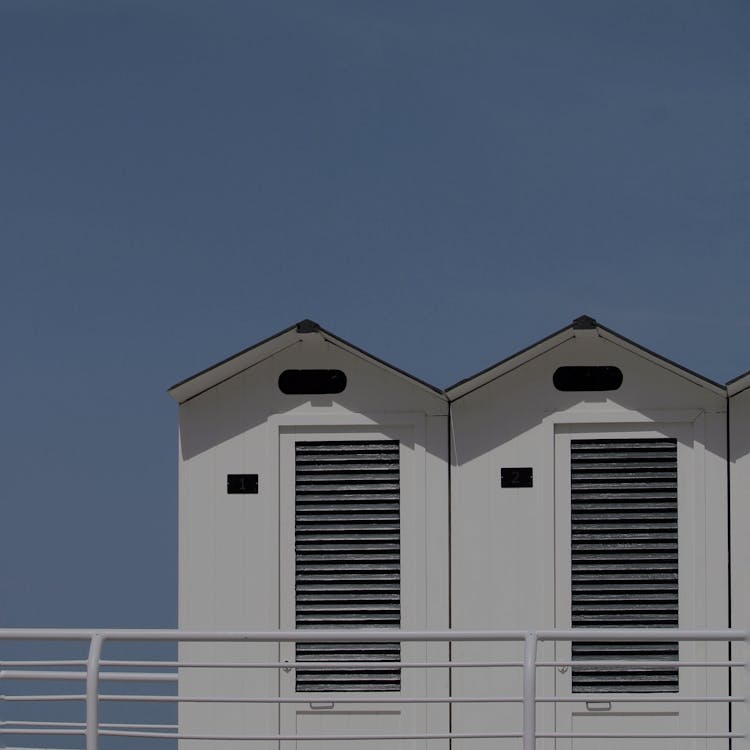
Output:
x,y
624,557
347,558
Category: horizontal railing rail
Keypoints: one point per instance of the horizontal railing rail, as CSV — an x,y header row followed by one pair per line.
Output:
x,y
37,682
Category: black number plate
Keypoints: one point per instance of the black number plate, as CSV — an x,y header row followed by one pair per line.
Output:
x,y
242,484
517,477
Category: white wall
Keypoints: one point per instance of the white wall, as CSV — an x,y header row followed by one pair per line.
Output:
x,y
231,558
503,572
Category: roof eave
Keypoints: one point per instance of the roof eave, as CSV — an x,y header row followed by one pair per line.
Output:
x,y
739,384
658,359
581,326
357,351
233,365
253,355
467,385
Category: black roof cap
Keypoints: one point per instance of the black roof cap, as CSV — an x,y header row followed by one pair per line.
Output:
x,y
307,326
583,323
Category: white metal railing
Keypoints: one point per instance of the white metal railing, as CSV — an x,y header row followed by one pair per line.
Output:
x,y
93,670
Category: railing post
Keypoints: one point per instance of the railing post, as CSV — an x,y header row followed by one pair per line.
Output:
x,y
92,692
529,691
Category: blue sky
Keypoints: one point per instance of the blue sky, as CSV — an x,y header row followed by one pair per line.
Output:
x,y
441,183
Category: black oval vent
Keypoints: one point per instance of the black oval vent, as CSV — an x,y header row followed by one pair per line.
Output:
x,y
587,378
312,381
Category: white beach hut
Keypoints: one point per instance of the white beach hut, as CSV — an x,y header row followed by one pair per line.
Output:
x,y
313,493
588,488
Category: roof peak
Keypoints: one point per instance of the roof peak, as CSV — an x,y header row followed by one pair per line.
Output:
x,y
584,322
307,326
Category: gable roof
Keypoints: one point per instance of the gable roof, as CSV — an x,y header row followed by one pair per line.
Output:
x,y
253,355
583,325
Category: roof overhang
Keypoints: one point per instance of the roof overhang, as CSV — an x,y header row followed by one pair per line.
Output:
x,y
581,327
253,355
739,384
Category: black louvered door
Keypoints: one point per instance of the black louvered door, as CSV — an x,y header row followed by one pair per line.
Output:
x,y
347,558
624,558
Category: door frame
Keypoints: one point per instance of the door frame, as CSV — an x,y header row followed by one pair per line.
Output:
x,y
413,717
692,557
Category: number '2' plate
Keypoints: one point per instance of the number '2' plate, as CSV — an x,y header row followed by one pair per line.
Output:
x,y
517,477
